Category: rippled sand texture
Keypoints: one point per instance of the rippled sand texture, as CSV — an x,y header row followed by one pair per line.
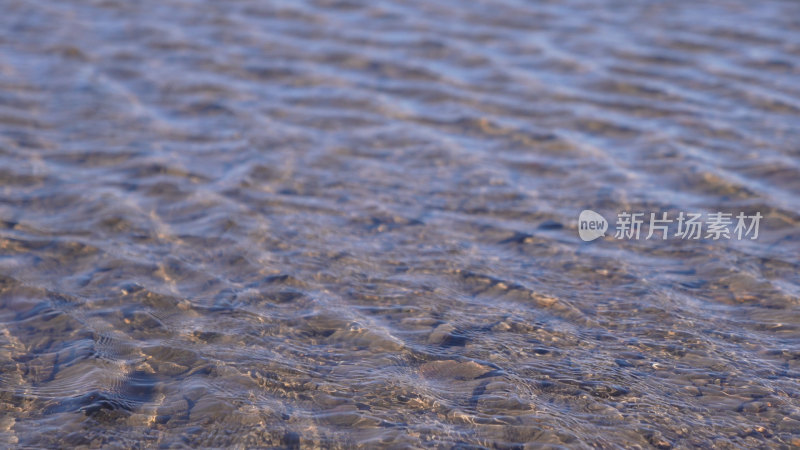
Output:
x,y
337,223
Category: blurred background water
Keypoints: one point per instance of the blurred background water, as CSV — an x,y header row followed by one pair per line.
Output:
x,y
337,223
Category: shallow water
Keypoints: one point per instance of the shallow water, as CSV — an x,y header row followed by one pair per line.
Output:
x,y
338,223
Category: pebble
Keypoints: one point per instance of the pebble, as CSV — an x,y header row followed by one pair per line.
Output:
x,y
755,407
788,425
441,333
693,390
451,369
502,326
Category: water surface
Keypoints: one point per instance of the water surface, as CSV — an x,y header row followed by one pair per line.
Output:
x,y
340,223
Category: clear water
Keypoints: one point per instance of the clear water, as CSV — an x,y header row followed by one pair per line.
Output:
x,y
340,223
